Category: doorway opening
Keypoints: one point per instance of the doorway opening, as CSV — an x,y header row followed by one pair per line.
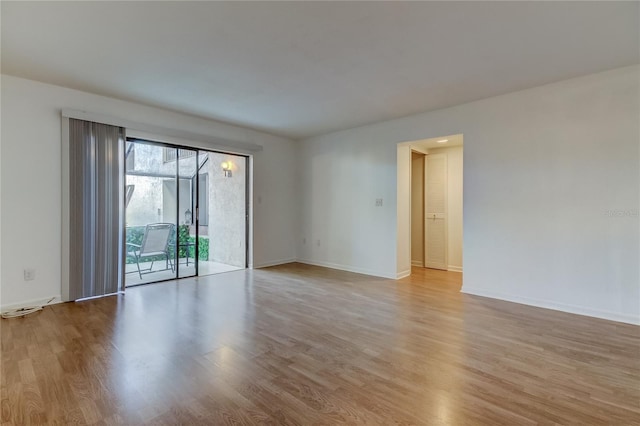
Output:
x,y
185,212
430,204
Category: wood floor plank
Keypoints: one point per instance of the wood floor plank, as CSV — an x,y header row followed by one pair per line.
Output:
x,y
298,344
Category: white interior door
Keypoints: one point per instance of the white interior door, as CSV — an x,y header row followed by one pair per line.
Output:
x,y
435,211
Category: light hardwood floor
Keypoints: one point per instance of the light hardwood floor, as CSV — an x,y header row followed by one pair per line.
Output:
x,y
303,345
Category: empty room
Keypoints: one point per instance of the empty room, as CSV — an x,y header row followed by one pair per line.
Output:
x,y
293,213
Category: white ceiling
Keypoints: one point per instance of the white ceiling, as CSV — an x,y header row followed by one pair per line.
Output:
x,y
426,144
307,68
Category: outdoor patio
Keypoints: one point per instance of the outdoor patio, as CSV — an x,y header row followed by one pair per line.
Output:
x,y
160,273
176,199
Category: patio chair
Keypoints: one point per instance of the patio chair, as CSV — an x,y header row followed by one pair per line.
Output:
x,y
155,242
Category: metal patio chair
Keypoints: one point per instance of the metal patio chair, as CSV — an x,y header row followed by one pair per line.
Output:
x,y
155,242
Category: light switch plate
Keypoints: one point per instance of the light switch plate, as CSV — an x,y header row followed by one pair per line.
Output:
x,y
29,274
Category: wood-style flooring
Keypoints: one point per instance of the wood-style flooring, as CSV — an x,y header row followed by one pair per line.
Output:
x,y
303,345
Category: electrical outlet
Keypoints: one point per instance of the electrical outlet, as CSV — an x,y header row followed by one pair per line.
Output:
x,y
318,243
304,241
378,202
29,274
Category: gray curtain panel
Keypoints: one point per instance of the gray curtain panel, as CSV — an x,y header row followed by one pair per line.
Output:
x,y
96,208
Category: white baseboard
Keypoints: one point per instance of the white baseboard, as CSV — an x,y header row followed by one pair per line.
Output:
x,y
33,302
272,263
548,304
403,274
454,268
341,267
417,263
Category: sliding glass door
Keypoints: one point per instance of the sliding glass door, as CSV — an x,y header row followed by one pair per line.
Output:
x,y
187,254
186,212
222,179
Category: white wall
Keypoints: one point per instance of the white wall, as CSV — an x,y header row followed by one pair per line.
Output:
x,y
31,181
542,170
340,225
454,205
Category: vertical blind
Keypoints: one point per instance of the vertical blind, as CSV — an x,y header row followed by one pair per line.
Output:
x,y
96,208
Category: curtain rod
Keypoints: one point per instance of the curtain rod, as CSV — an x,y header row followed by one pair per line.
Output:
x,y
160,131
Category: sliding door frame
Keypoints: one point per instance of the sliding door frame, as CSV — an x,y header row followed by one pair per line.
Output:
x,y
196,212
176,258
